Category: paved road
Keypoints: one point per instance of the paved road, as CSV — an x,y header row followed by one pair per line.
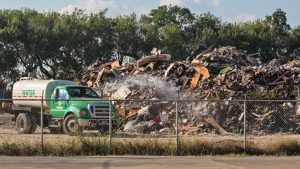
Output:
x,y
132,162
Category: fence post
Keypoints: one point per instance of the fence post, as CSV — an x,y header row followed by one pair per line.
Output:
x,y
245,120
110,126
177,138
42,124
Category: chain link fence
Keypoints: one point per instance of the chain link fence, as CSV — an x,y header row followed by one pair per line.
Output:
x,y
169,121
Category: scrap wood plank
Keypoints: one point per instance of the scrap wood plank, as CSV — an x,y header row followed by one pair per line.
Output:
x,y
115,64
200,71
122,93
153,58
195,80
168,69
216,125
121,112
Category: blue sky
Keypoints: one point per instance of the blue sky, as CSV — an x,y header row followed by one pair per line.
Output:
x,y
227,10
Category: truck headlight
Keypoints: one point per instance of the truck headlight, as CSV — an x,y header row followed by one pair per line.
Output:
x,y
91,108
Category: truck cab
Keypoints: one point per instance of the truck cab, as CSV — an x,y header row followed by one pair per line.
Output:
x,y
77,107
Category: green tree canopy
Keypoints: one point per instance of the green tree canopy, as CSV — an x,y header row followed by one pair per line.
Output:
x,y
60,45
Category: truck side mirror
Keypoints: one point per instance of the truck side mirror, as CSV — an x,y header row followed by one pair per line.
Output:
x,y
56,94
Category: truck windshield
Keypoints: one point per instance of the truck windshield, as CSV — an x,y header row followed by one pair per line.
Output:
x,y
82,92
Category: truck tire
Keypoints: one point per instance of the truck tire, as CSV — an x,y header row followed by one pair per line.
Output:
x,y
23,124
71,125
34,122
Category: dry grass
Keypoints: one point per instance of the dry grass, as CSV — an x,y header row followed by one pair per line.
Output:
x,y
63,145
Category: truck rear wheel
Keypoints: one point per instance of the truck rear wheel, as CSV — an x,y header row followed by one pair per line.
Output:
x,y
71,125
34,122
24,124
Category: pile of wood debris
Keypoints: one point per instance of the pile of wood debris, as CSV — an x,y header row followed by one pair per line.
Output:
x,y
223,73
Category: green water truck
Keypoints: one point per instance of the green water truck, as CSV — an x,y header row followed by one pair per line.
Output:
x,y
65,107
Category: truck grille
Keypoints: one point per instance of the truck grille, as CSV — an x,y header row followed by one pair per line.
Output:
x,y
100,111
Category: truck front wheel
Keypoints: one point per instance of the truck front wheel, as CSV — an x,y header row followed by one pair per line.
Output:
x,y
24,124
71,125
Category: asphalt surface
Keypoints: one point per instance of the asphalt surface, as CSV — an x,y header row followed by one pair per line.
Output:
x,y
132,162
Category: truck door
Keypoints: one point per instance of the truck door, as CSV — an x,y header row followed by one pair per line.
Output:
x,y
59,103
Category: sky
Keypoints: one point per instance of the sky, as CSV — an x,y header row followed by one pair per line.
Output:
x,y
228,10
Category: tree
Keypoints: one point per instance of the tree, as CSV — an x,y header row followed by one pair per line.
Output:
x,y
203,33
85,38
280,33
149,34
44,43
173,38
165,28
8,60
127,36
164,15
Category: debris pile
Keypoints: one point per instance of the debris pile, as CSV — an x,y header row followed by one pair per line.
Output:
x,y
223,73
225,117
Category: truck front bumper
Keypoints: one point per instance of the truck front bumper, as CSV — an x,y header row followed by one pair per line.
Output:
x,y
92,122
